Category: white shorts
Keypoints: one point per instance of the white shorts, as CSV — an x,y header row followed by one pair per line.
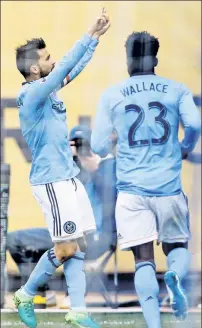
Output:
x,y
141,219
66,208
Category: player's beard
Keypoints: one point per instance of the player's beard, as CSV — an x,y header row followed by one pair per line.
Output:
x,y
42,73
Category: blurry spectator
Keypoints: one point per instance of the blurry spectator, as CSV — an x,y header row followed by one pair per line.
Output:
x,y
26,247
88,164
105,186
99,178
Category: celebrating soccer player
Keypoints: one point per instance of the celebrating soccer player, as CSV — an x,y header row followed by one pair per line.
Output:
x,y
62,197
145,110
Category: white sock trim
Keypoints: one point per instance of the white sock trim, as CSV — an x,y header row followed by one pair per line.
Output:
x,y
26,293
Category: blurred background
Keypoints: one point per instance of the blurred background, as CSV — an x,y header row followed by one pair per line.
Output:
x,y
177,24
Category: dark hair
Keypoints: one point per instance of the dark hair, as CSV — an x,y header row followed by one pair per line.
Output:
x,y
139,45
27,54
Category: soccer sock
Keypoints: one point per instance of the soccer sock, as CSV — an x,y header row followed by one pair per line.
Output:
x,y
147,290
44,269
178,260
76,280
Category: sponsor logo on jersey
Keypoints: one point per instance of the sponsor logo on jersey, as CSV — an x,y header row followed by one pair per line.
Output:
x,y
59,107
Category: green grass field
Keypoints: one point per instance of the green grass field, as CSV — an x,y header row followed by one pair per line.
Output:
x,y
106,320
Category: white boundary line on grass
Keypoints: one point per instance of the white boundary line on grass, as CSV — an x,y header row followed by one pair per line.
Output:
x,y
94,310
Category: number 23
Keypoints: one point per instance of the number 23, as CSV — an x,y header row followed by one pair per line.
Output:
x,y
160,119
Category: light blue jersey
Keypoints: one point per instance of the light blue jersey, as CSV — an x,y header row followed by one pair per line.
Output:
x,y
43,117
145,111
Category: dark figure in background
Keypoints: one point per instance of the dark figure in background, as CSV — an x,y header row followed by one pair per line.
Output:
x,y
99,178
26,247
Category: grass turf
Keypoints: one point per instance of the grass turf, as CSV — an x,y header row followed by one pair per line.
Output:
x,y
106,320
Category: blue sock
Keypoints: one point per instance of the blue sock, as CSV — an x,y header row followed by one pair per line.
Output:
x,y
178,260
76,280
147,290
44,269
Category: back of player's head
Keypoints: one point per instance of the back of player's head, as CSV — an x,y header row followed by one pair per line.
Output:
x,y
26,55
141,51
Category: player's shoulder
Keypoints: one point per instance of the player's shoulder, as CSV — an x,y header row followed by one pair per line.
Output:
x,y
116,87
28,86
24,91
113,93
177,86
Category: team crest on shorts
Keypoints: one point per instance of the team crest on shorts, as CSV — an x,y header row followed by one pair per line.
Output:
x,y
69,227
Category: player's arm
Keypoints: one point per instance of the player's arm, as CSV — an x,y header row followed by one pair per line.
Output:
x,y
88,54
101,142
191,121
81,64
39,90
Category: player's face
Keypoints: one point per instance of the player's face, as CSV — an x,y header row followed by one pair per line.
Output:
x,y
45,62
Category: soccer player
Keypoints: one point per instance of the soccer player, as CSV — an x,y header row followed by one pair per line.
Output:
x,y
62,197
145,110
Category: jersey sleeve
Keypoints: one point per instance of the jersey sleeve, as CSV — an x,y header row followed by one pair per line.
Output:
x,y
190,119
80,65
39,90
101,143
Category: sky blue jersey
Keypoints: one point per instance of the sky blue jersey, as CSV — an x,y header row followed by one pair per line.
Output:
x,y
145,111
43,117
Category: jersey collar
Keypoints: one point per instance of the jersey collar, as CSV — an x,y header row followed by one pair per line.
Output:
x,y
23,83
143,73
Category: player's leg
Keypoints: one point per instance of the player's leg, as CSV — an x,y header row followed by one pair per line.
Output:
x,y
136,229
69,228
146,284
178,261
52,259
75,277
72,206
178,258
173,218
41,274
78,314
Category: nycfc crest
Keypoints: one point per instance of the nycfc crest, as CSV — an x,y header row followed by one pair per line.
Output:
x,y
69,227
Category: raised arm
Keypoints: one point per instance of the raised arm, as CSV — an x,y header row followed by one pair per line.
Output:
x,y
39,90
81,64
88,54
191,121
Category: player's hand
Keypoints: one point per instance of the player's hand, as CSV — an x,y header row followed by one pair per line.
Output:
x,y
100,25
103,30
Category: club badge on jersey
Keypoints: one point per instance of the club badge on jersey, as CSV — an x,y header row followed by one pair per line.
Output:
x,y
69,227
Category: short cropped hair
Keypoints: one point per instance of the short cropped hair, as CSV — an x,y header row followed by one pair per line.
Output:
x,y
141,44
26,55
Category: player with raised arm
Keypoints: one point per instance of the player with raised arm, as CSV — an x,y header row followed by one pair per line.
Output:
x,y
145,110
62,197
